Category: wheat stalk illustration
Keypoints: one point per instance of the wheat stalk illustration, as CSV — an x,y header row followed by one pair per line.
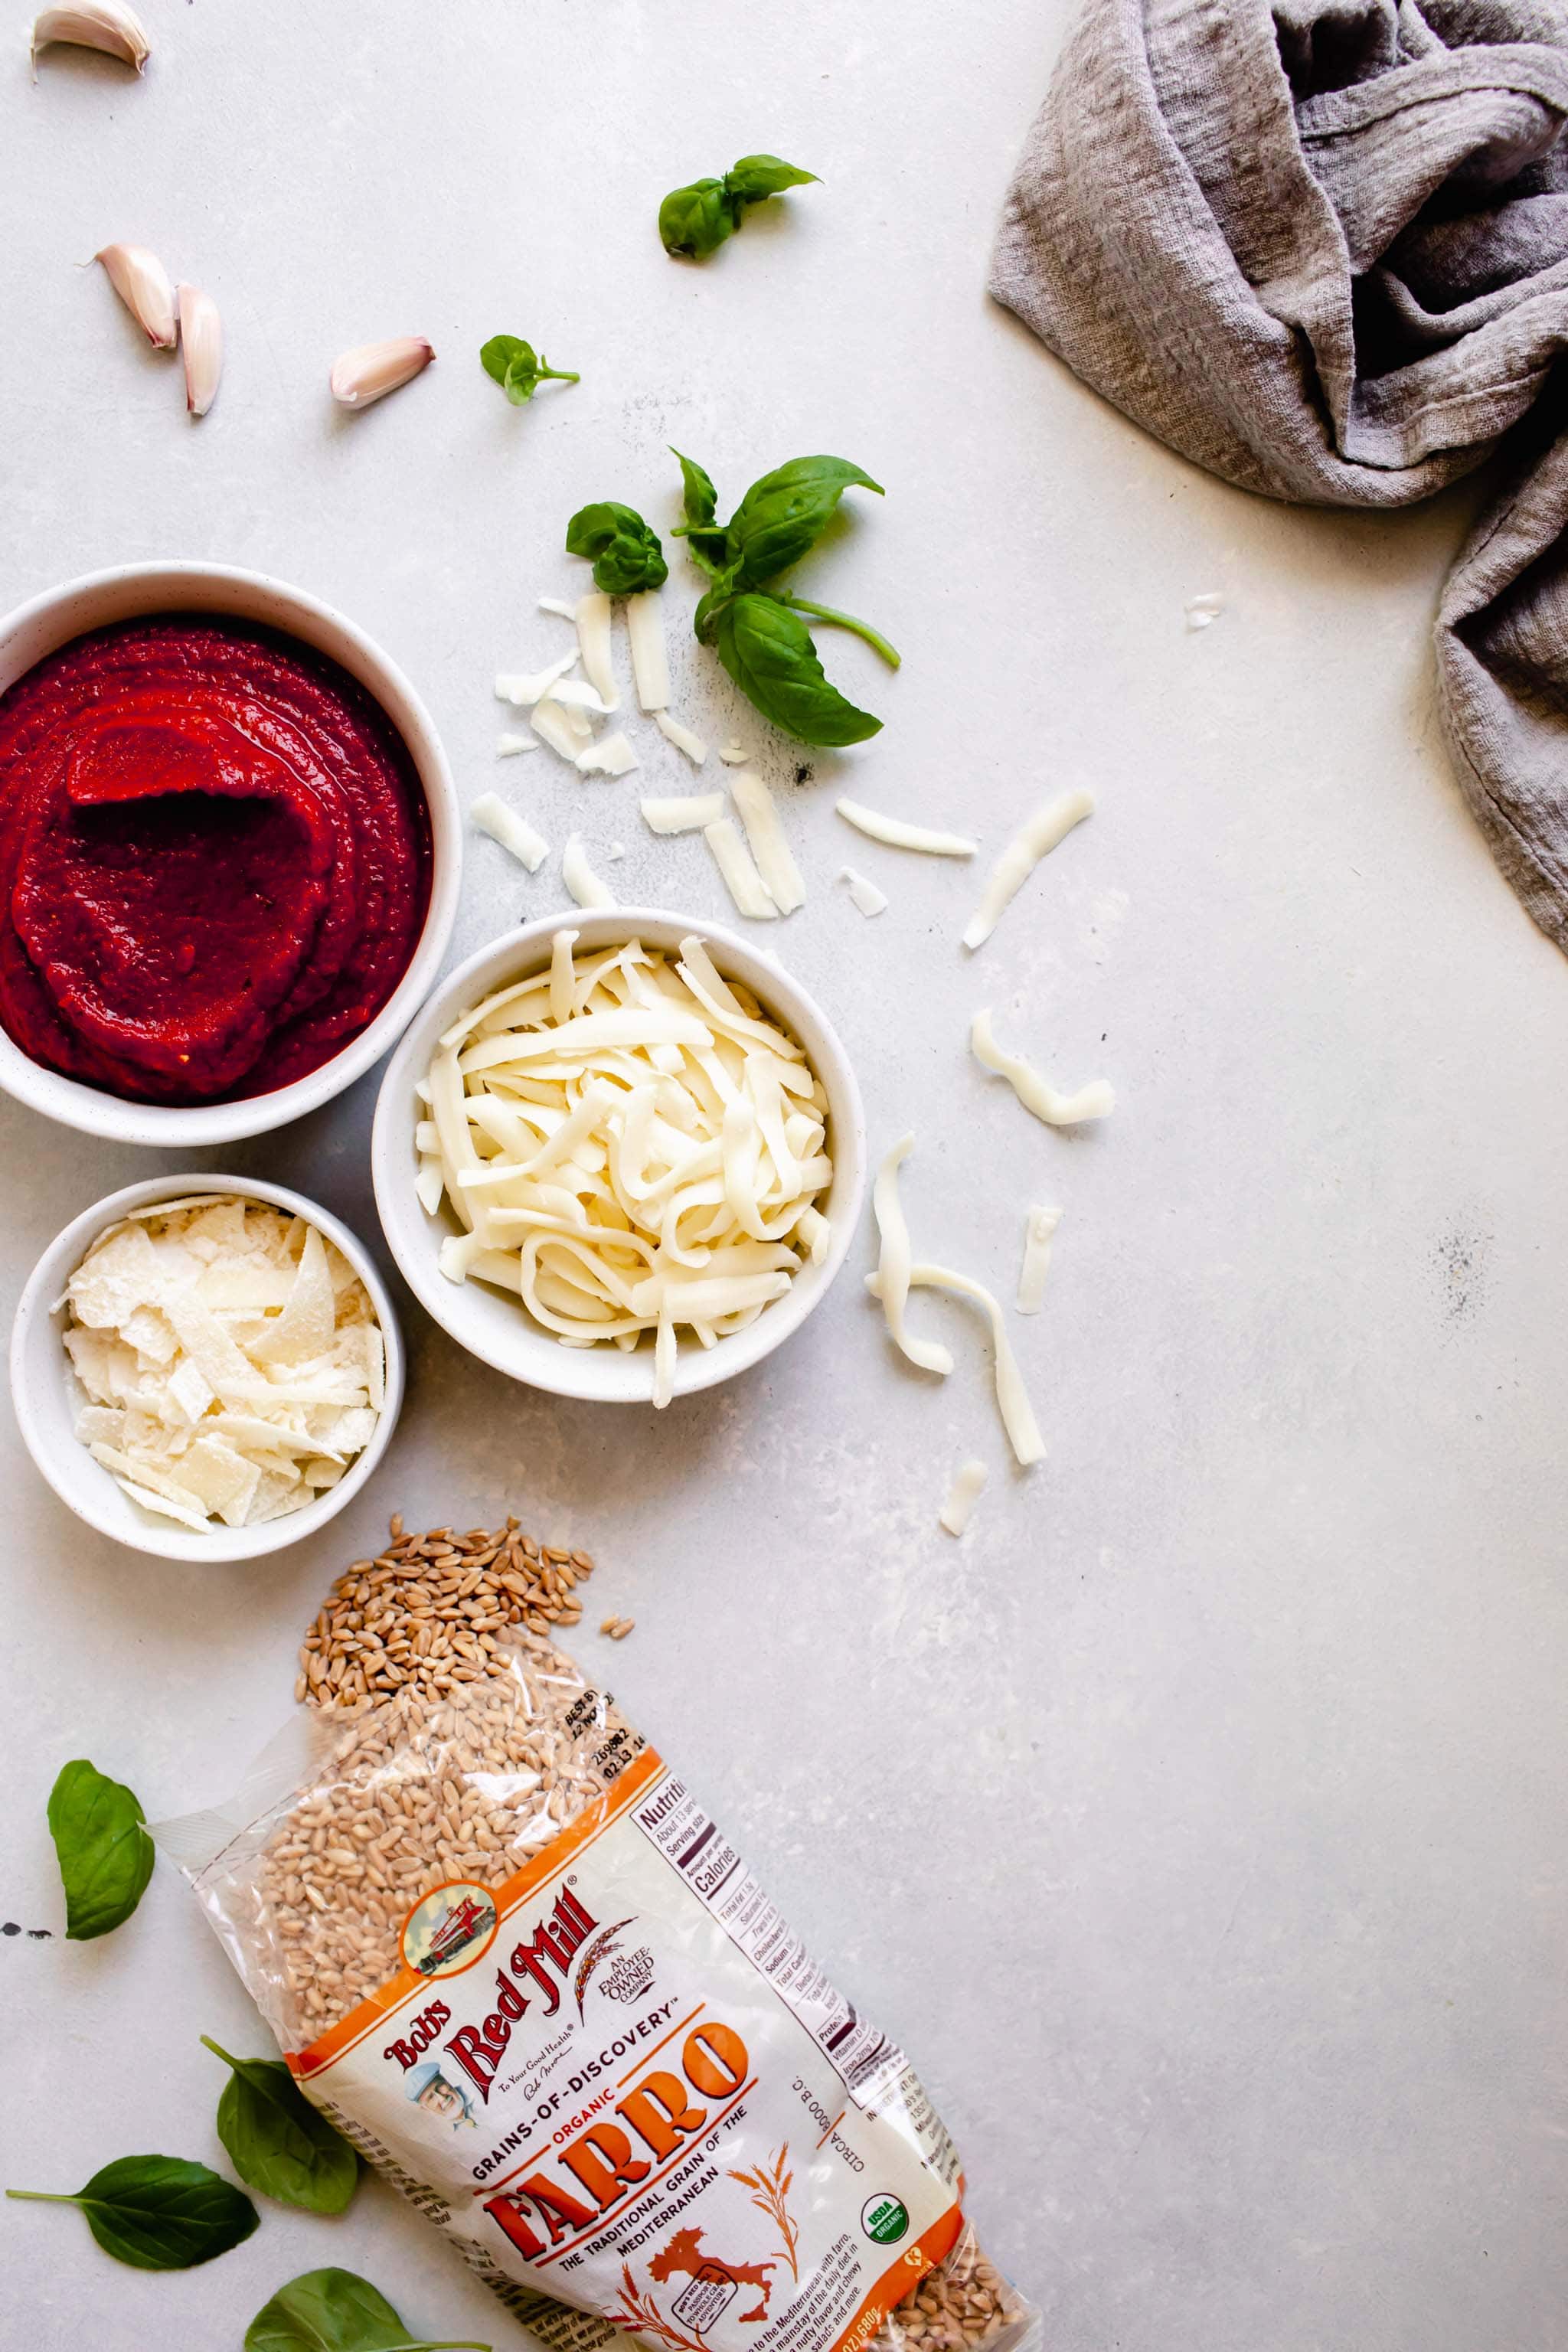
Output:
x,y
644,2317
770,2194
599,1949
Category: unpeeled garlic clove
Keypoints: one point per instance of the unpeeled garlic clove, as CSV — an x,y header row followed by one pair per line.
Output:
x,y
141,282
101,25
372,370
201,348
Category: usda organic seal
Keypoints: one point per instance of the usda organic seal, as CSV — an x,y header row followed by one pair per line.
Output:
x,y
884,2218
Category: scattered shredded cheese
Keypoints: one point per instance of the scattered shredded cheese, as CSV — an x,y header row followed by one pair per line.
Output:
x,y
899,836
1011,1397
1034,840
630,1145
765,836
582,883
514,833
525,688
1038,1228
695,749
968,1480
568,612
866,894
576,693
554,724
650,664
593,619
734,755
894,1259
1037,1094
228,1359
741,879
508,745
1201,612
612,757
685,812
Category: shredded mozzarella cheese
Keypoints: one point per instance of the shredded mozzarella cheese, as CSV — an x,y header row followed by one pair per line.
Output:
x,y
629,1145
1038,1228
1037,1094
865,894
593,619
1034,840
565,732
765,836
514,833
1011,1397
968,1480
613,757
695,749
687,812
508,746
734,755
525,689
580,878
650,664
899,836
741,879
894,1260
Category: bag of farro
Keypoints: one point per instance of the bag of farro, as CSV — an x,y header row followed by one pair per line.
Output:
x,y
510,1956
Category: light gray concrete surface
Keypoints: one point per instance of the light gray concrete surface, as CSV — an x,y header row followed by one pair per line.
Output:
x,y
1197,1822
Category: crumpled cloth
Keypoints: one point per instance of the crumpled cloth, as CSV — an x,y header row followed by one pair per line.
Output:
x,y
1320,247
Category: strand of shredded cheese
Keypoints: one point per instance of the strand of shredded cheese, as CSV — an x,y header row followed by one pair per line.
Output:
x,y
523,688
1011,1397
593,619
741,879
1037,1094
968,1480
695,749
899,836
684,812
1038,1228
651,663
612,757
580,878
893,1263
514,833
865,894
765,836
1034,840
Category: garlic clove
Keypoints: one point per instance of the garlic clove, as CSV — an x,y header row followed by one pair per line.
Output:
x,y
100,25
141,282
372,370
201,347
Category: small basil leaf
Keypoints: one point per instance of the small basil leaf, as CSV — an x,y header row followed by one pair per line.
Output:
x,y
159,2213
694,222
700,501
276,2141
784,515
497,354
518,368
336,2311
757,176
626,550
768,652
105,1853
710,604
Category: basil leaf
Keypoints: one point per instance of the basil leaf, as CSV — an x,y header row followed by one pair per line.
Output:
x,y
626,552
694,222
701,531
757,176
517,369
105,1853
276,2141
159,2213
336,2311
783,516
767,650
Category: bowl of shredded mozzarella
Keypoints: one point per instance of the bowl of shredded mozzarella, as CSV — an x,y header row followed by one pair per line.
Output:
x,y
619,1155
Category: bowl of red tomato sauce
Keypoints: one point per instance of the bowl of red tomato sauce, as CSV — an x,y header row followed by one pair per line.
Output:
x,y
229,853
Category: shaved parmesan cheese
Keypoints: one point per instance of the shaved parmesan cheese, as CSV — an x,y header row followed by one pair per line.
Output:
x,y
866,894
1037,1094
492,816
1034,840
1038,1228
741,879
580,878
630,1145
617,849
892,1275
576,693
650,664
565,732
695,749
242,1346
592,617
523,688
962,1497
899,836
1201,612
508,746
559,605
1011,1397
613,757
765,835
687,814
734,755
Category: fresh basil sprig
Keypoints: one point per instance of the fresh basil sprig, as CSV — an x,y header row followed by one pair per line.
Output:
x,y
105,1853
760,637
626,554
694,222
276,2141
337,2311
159,2213
518,370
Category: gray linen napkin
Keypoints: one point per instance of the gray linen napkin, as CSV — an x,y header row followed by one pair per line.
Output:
x,y
1320,247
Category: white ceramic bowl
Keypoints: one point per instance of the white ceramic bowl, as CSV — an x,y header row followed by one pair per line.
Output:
x,y
42,1384
498,1330
127,593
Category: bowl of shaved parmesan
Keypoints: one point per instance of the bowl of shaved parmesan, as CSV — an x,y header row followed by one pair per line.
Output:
x,y
619,1155
206,1368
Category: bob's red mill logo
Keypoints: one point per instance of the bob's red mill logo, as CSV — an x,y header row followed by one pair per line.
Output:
x,y
545,1960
